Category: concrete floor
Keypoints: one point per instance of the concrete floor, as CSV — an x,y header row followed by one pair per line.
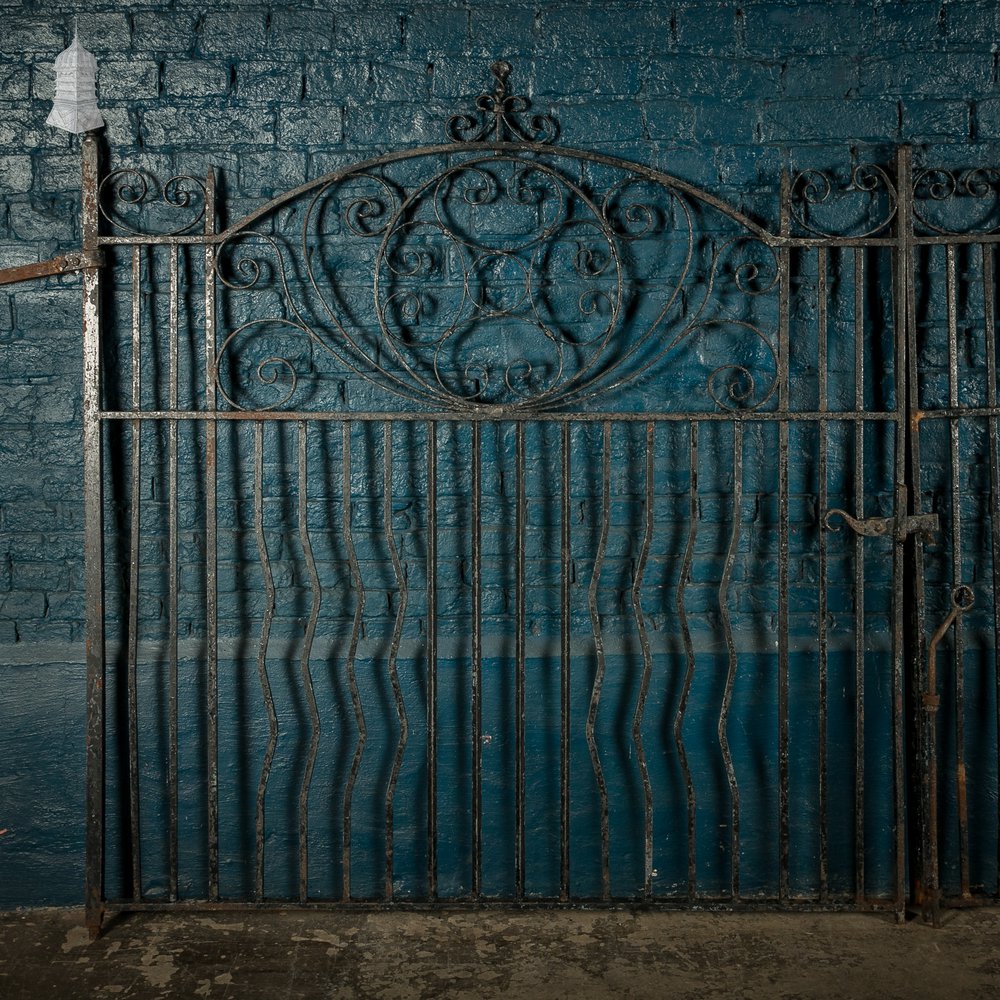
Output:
x,y
396,956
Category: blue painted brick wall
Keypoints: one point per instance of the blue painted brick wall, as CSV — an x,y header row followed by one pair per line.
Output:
x,y
721,94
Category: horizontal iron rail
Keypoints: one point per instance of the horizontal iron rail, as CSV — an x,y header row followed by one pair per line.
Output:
x,y
473,416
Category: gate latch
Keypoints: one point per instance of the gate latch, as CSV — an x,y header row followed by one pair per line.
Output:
x,y
926,526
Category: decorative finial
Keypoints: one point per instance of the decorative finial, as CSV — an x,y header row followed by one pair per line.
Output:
x,y
74,108
499,116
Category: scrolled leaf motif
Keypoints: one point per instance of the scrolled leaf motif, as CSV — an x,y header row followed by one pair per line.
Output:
x,y
821,208
742,383
949,203
129,200
243,376
500,116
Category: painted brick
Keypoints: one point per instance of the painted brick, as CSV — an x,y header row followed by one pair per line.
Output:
x,y
15,82
337,82
987,116
297,30
190,78
392,124
154,31
560,76
268,81
830,77
799,120
818,28
511,31
15,174
370,30
314,126
726,79
934,74
710,29
909,24
436,28
104,32
26,34
128,80
42,221
606,28
227,31
389,79
971,24
935,119
212,126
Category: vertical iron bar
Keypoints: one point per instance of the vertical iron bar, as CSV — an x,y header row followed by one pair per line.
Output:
x,y
93,522
397,632
352,680
821,263
135,525
784,292
908,653
989,292
519,655
727,697
685,577
432,540
211,554
477,661
859,580
647,669
595,695
951,294
265,634
316,597
565,636
172,778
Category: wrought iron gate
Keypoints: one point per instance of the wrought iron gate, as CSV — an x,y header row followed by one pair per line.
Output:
x,y
499,523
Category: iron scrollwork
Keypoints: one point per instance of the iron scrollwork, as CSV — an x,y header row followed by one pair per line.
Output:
x,y
511,277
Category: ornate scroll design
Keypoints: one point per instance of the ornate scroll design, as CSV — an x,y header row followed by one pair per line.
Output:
x,y
509,277
864,206
137,203
948,202
499,281
498,117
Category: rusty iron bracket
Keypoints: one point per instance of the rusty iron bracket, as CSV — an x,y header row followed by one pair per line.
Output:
x,y
926,526
68,263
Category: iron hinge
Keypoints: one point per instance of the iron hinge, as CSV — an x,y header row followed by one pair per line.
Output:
x,y
79,260
925,526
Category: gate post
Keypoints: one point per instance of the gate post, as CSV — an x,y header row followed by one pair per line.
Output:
x,y
93,531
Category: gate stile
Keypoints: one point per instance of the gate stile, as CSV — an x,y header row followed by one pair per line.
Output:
x,y
446,543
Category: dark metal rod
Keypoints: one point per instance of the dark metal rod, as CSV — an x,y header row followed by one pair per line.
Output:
x,y
93,533
397,632
821,263
565,637
172,621
316,597
477,661
784,839
685,577
519,656
784,390
989,332
432,540
951,294
647,668
859,581
906,501
488,417
595,695
135,524
211,556
727,697
352,653
265,634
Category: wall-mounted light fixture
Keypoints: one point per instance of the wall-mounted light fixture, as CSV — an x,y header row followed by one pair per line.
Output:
x,y
75,106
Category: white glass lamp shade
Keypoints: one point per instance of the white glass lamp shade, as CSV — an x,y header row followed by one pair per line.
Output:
x,y
75,106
